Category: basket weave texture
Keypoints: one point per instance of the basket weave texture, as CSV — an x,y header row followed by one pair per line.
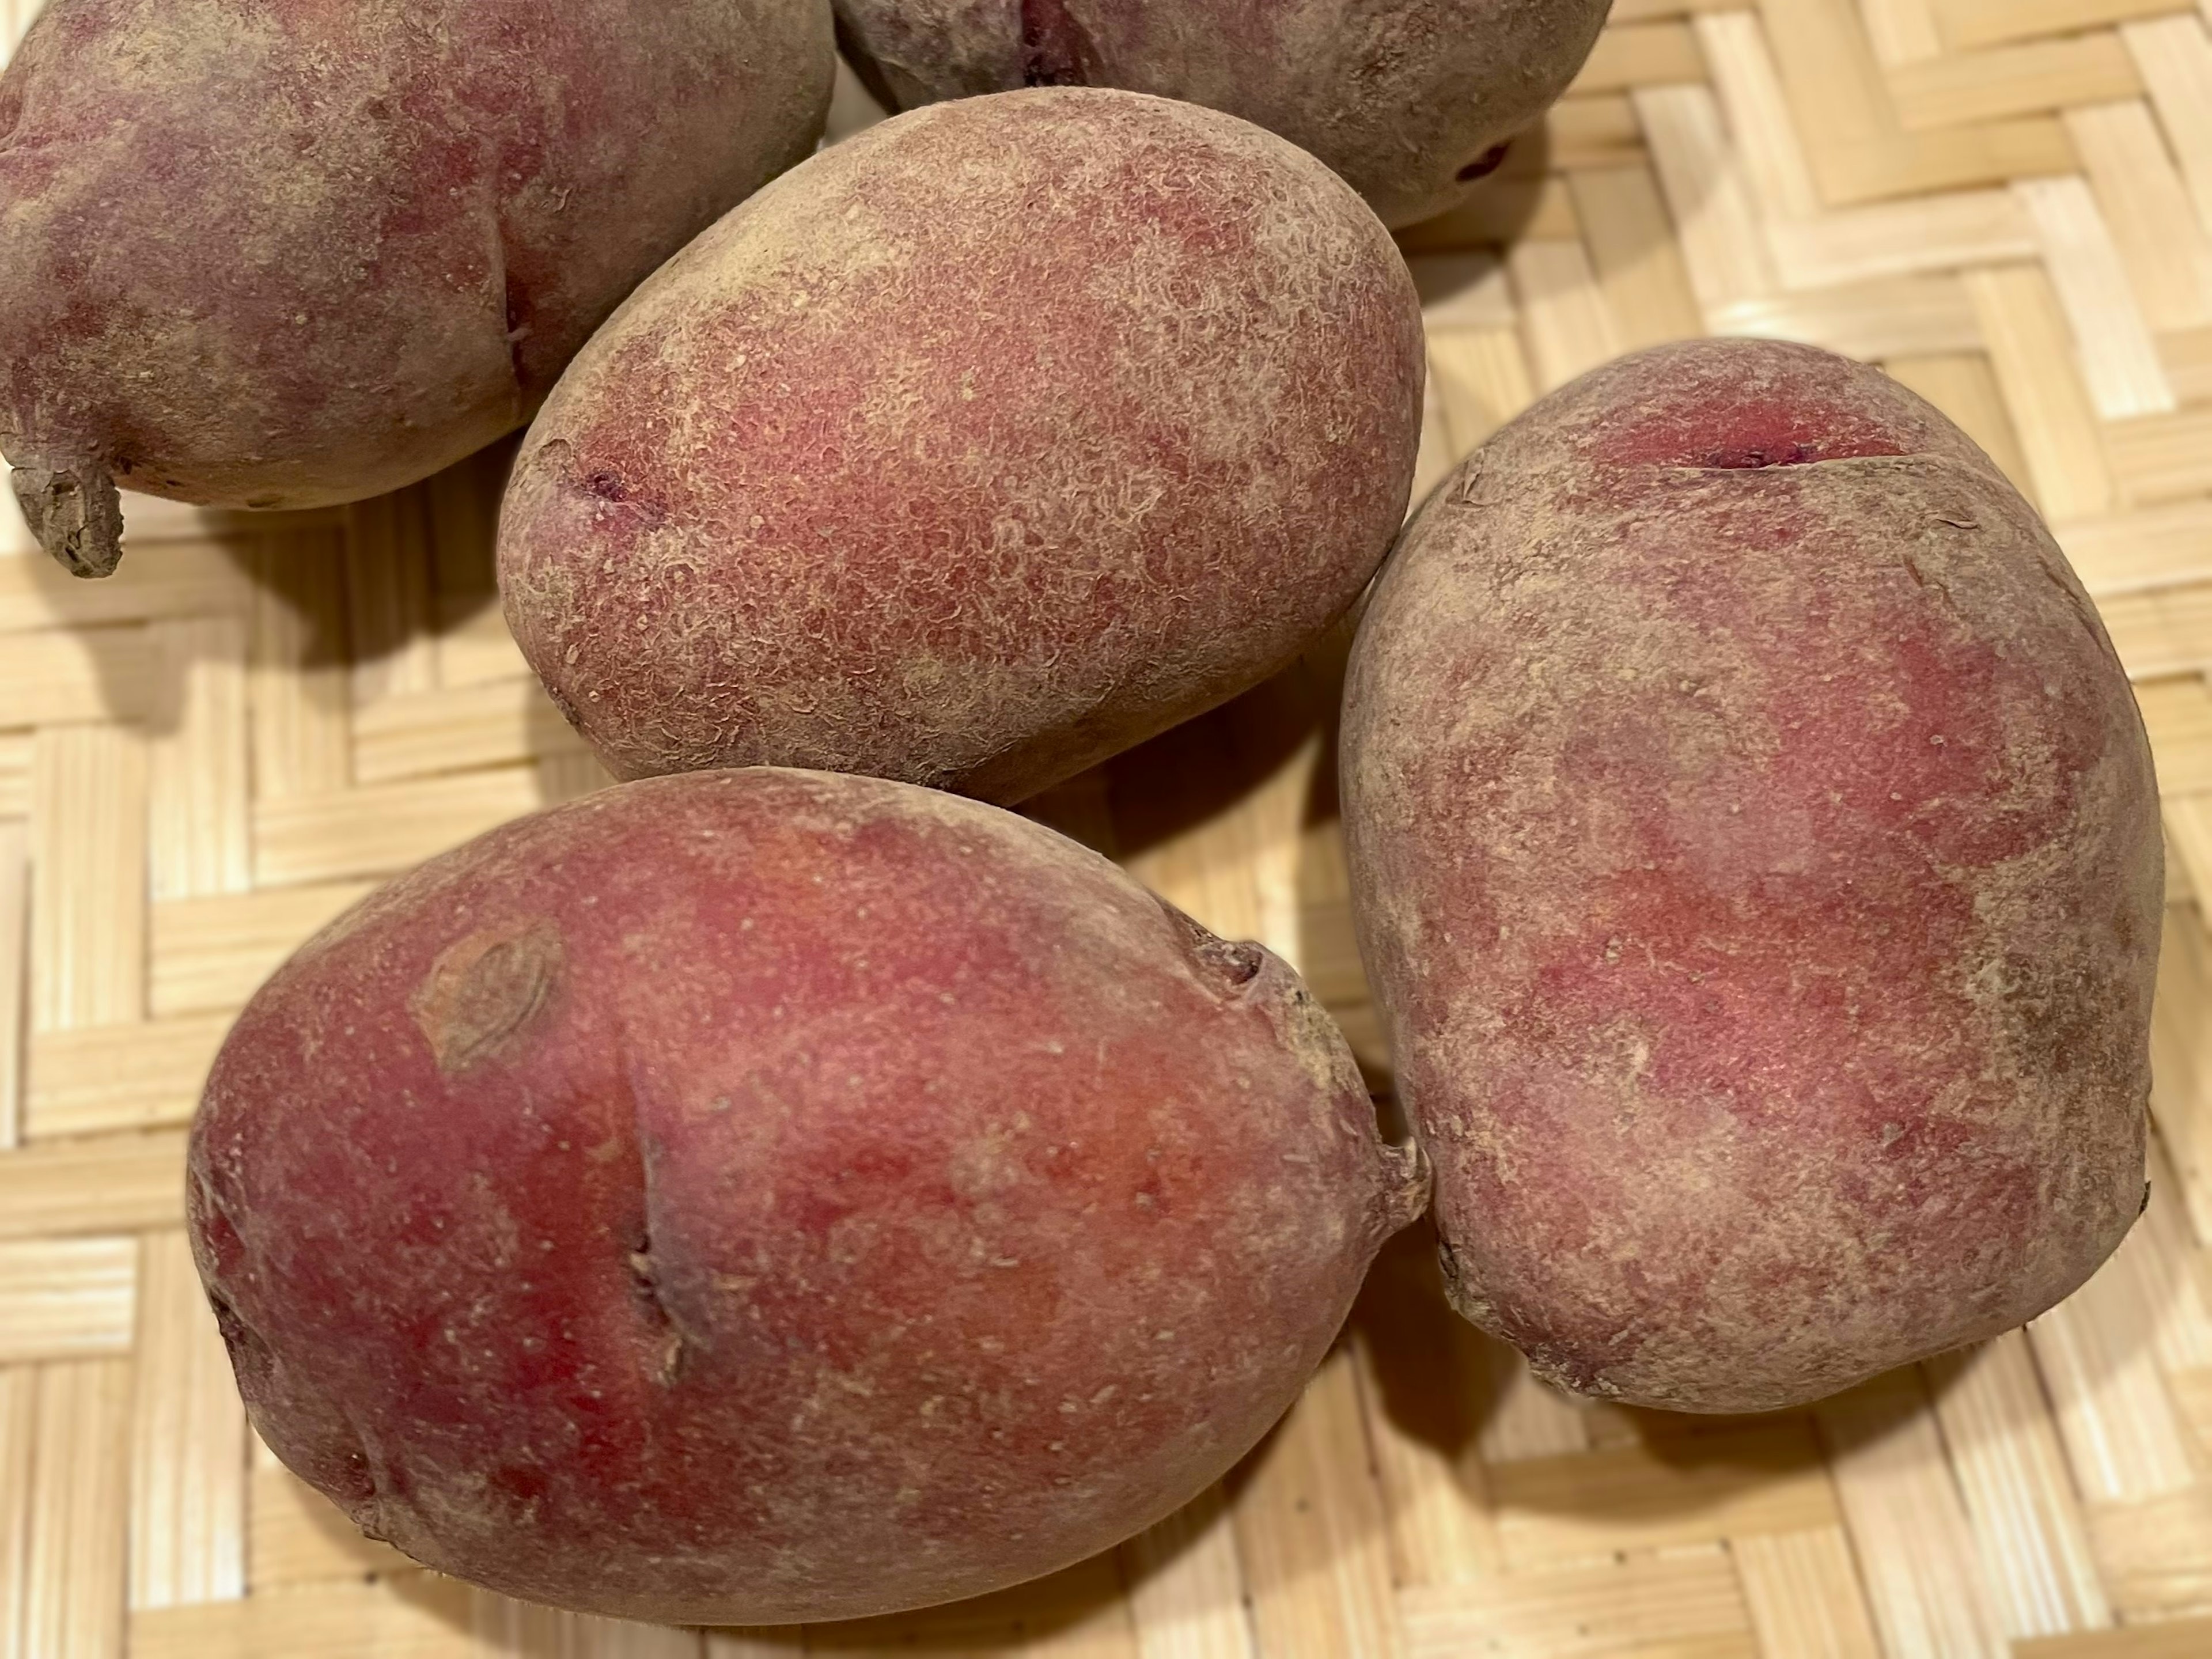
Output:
x,y
2006,203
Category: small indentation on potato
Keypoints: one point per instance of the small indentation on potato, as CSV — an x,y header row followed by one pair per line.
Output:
x,y
1746,458
1485,164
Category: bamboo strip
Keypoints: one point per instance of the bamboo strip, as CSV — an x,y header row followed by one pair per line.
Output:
x,y
1311,1533
1803,1594
2163,458
1723,245
1685,1605
2032,353
88,876
1463,290
2162,244
213,953
1632,246
1074,1614
389,598
98,1079
19,1401
200,782
1759,124
1898,316
1423,1383
1958,89
2181,1056
1483,379
80,1506
192,580
2020,1502
188,1471
1902,32
77,674
112,1184
68,1298
2159,633
296,1536
302,701
2174,57
1968,23
518,1630
1565,323
473,644
2135,552
2113,345
2156,1556
412,734
14,775
15,974
1703,1489
2177,713
2183,1639
1908,1528
1859,150
2123,1436
1597,131
1640,55
1185,1585
374,831
408,1616
1961,385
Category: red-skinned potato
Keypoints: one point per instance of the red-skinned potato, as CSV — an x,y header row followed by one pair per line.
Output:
x,y
281,253
981,445
1757,854
1407,100
760,1195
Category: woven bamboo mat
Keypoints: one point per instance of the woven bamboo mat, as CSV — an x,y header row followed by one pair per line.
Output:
x,y
2009,203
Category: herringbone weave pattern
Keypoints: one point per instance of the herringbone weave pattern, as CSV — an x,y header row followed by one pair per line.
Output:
x,y
2008,202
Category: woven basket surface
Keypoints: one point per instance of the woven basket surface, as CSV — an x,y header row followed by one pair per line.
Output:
x,y
2006,203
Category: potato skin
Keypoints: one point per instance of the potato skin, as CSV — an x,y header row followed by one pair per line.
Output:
x,y
981,445
1403,98
1757,853
290,252
758,1196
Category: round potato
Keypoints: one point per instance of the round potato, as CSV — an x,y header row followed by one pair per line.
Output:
x,y
981,445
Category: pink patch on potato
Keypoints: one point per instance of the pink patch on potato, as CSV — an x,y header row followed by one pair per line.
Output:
x,y
1758,854
759,1196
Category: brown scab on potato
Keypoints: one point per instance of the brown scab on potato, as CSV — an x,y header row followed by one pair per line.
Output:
x,y
485,987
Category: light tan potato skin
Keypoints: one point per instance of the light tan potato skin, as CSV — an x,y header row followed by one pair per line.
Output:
x,y
1757,854
756,1196
1405,99
980,447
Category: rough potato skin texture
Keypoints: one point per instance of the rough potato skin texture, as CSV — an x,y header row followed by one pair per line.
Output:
x,y
1757,854
763,1195
1403,98
291,253
980,447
